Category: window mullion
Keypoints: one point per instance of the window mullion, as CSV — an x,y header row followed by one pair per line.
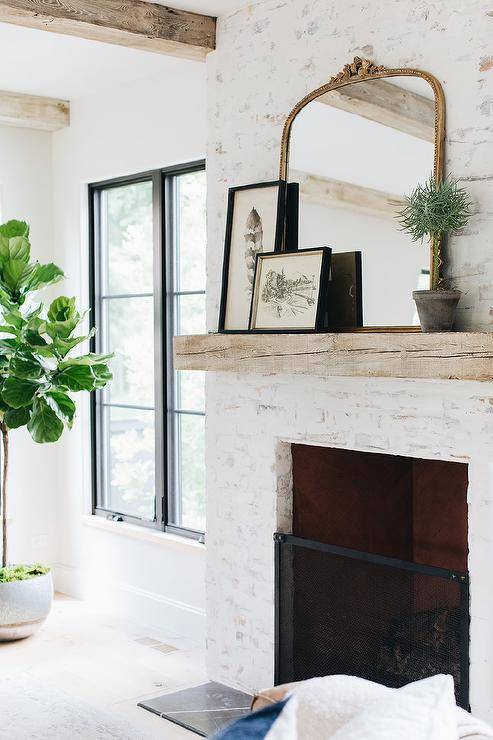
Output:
x,y
171,275
159,290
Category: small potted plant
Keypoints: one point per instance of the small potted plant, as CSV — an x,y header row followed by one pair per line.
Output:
x,y
435,209
37,375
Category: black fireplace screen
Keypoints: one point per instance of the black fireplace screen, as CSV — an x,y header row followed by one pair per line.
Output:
x,y
340,611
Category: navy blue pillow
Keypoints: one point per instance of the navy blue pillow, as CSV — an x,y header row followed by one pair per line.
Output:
x,y
254,726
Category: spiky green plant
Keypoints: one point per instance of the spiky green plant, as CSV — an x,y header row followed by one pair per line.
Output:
x,y
434,208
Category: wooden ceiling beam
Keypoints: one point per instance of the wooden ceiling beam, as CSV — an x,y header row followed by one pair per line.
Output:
x,y
134,23
33,111
326,191
388,104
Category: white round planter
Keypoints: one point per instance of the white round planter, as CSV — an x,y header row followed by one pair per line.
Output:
x,y
24,606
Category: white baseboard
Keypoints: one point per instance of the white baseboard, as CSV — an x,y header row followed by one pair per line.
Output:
x,y
146,608
67,580
164,613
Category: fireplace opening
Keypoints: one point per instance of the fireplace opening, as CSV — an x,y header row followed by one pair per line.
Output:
x,y
373,580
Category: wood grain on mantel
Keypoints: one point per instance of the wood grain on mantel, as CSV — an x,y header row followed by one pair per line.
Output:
x,y
455,355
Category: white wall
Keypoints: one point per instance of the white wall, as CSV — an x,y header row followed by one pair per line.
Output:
x,y
25,193
143,125
269,56
388,257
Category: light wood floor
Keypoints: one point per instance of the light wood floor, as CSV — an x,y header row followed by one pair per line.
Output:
x,y
107,663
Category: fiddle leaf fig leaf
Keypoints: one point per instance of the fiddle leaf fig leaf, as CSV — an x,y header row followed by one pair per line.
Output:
x,y
8,345
63,317
15,418
44,275
44,425
62,309
14,318
63,346
32,337
14,228
18,392
62,405
12,272
102,375
89,359
27,367
19,248
6,300
75,378
16,273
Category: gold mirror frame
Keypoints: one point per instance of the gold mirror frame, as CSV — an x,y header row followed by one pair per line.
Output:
x,y
358,71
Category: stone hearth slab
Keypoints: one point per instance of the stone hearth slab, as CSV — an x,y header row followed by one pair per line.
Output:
x,y
203,709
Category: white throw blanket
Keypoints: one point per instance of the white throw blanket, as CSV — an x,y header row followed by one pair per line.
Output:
x,y
349,708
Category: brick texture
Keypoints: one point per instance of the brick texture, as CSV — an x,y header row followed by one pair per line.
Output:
x,y
269,55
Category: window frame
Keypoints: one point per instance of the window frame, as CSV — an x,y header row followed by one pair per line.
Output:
x,y
164,321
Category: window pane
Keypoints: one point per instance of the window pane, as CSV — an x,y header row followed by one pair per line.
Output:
x,y
129,443
190,314
192,470
130,328
191,231
126,230
190,390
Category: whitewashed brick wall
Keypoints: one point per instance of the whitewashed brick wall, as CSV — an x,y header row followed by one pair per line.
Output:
x,y
269,55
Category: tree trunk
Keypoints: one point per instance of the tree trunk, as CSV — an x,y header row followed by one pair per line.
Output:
x,y
5,442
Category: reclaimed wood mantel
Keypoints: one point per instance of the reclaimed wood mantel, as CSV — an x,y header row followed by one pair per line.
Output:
x,y
454,355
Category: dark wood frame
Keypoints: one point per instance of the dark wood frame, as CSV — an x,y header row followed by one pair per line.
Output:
x,y
291,234
163,351
279,240
322,293
358,298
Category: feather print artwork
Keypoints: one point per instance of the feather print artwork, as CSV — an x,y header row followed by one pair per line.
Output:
x,y
253,244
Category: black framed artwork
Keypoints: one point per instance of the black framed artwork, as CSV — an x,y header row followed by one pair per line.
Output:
x,y
256,222
290,291
345,307
292,217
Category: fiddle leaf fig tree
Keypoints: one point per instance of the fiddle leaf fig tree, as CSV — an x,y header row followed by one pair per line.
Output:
x,y
37,371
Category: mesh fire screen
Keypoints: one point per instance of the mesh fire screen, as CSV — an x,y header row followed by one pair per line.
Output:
x,y
340,611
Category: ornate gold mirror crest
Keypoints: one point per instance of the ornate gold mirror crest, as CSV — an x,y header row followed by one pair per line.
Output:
x,y
400,121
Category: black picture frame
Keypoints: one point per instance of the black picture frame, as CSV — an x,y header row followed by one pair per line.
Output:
x,y
322,298
291,238
345,305
280,234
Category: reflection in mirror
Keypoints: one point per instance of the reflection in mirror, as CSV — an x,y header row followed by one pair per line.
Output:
x,y
355,152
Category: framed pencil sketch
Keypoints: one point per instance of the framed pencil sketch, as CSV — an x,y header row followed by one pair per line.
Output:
x,y
290,291
255,224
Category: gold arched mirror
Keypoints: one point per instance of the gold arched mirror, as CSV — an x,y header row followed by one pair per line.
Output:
x,y
356,146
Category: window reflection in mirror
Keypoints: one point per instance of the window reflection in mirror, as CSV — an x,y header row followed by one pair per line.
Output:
x,y
355,152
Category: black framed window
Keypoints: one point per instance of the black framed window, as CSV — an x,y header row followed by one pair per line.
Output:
x,y
148,237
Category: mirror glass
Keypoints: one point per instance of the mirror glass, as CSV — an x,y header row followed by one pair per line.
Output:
x,y
355,152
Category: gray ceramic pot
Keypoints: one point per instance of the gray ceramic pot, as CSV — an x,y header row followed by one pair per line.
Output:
x,y
24,606
436,308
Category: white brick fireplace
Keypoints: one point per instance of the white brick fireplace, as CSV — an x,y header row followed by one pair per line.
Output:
x,y
251,424
280,50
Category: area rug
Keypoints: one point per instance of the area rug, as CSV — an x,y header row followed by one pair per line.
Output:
x,y
30,709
